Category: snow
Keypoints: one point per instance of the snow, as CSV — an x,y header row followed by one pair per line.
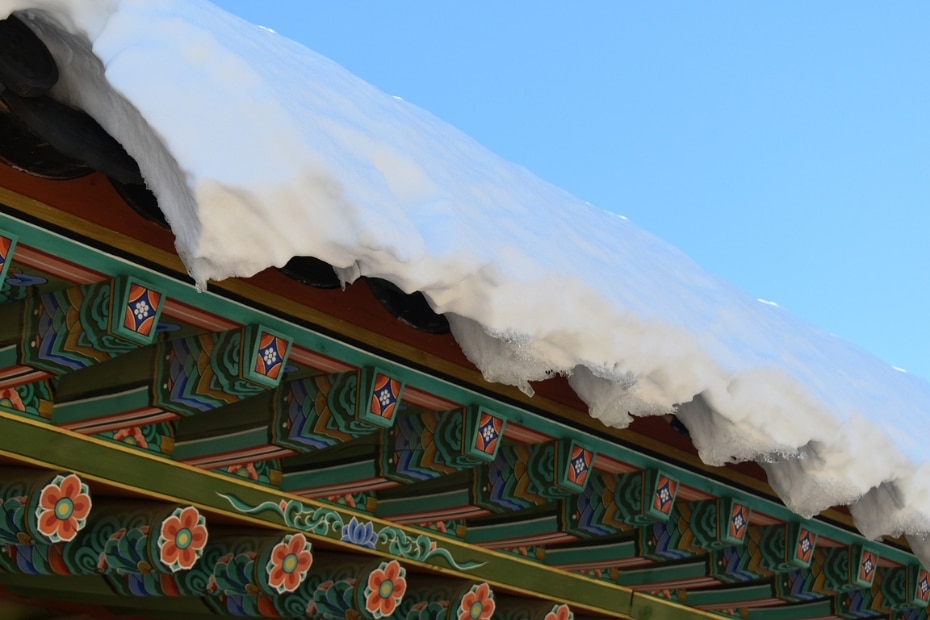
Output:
x,y
259,149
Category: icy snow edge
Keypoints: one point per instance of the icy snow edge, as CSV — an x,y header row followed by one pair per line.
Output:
x,y
259,149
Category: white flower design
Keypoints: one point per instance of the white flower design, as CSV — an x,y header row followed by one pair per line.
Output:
x,y
385,397
270,356
141,309
738,521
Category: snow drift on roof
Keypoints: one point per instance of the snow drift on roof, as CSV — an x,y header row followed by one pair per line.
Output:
x,y
259,149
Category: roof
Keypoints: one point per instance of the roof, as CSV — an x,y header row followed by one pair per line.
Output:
x,y
303,159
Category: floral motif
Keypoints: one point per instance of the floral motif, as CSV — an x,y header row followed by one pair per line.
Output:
x,y
141,309
271,351
385,396
738,521
345,500
63,508
489,432
270,355
477,604
579,465
869,562
181,539
323,521
244,470
923,585
132,436
361,534
664,496
805,548
290,561
10,398
385,590
560,612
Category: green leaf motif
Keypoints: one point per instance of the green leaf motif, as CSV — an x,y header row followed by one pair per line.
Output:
x,y
327,522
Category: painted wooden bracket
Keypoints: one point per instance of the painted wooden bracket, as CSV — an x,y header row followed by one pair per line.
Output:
x,y
719,522
855,603
773,550
176,378
615,503
902,588
523,476
427,445
329,410
520,478
300,416
837,569
209,371
694,528
59,332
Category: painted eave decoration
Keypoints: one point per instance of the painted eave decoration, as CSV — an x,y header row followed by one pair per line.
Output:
x,y
277,447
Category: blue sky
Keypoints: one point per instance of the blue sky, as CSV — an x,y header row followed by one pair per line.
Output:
x,y
784,146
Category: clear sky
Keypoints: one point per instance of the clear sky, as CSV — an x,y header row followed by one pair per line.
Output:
x,y
784,145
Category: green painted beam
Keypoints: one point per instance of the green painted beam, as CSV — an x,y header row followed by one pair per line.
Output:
x,y
36,443
798,611
599,553
519,530
726,596
663,573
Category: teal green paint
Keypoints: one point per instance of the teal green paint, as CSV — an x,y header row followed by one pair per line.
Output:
x,y
317,477
112,266
662,573
818,609
603,552
66,413
726,596
516,529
